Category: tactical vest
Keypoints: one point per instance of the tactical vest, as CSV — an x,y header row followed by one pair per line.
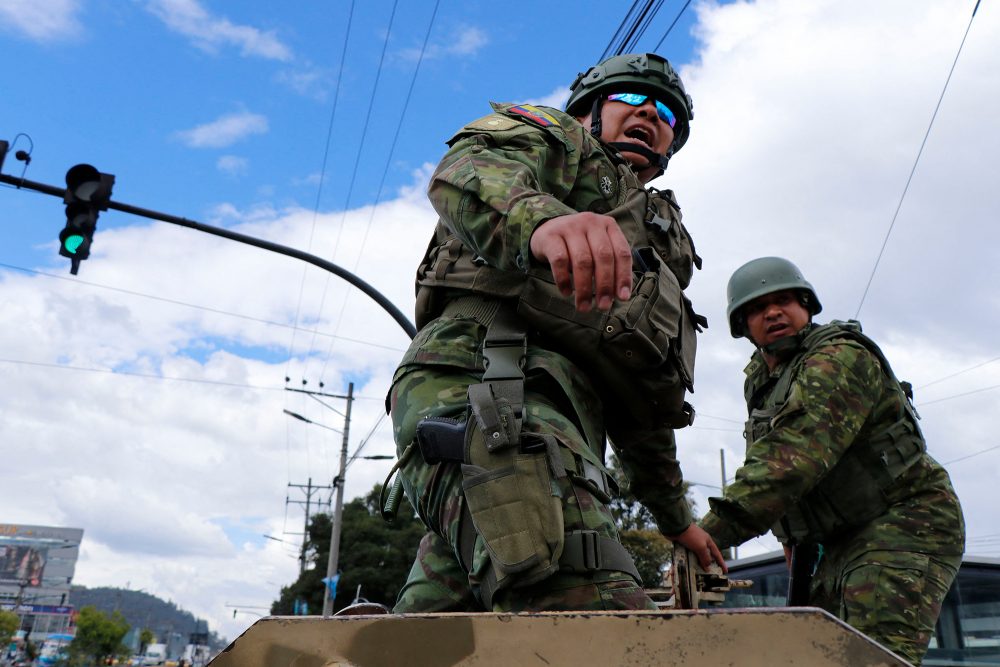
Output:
x,y
852,493
642,351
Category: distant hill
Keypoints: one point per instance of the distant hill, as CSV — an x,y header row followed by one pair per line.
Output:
x,y
143,610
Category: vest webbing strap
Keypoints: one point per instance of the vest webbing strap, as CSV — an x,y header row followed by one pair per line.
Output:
x,y
498,401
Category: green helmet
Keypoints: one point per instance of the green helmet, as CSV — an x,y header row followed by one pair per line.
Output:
x,y
645,73
763,276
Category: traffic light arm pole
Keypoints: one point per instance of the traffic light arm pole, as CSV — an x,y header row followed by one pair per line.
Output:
x,y
379,298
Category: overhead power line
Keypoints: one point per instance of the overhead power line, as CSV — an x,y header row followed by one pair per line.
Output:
x,y
385,171
151,376
639,26
969,456
623,27
964,370
916,161
967,393
195,306
322,175
357,157
672,24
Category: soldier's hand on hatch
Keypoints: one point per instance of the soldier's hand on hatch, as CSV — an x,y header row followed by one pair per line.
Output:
x,y
589,257
701,545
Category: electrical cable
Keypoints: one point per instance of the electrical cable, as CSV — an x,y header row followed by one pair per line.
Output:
x,y
371,432
967,393
385,172
645,25
616,38
969,456
966,370
187,304
150,376
631,36
913,170
676,19
322,177
357,162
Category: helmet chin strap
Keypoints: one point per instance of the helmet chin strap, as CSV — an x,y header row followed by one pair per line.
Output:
x,y
654,159
785,346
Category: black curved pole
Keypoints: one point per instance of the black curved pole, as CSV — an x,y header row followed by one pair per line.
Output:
x,y
379,298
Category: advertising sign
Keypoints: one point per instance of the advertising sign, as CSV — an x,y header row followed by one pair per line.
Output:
x,y
22,565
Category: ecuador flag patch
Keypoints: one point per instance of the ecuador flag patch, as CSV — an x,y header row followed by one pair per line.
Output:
x,y
534,114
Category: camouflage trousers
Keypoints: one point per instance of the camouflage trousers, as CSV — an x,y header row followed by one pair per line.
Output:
x,y
437,581
894,597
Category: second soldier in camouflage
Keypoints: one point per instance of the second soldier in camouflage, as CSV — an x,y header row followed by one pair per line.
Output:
x,y
836,466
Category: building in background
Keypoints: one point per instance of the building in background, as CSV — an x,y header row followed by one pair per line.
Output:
x,y
36,570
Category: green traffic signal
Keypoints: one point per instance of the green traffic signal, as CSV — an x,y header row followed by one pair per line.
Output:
x,y
88,192
72,243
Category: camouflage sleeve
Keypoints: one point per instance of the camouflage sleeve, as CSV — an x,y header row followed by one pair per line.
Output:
x,y
493,195
831,398
650,463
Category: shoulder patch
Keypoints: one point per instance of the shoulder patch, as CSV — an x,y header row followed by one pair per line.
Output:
x,y
534,114
492,123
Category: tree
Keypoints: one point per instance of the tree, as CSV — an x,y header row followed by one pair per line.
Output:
x,y
374,555
98,637
146,637
9,623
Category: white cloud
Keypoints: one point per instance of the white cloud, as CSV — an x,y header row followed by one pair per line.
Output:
x,y
800,147
556,99
224,131
210,33
470,40
308,80
233,165
41,20
463,40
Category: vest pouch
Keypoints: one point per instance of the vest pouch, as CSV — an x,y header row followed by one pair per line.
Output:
x,y
516,509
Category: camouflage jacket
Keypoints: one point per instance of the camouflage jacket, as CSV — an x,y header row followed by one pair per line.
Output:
x,y
504,175
839,397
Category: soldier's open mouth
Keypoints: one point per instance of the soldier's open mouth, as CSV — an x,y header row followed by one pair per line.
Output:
x,y
640,136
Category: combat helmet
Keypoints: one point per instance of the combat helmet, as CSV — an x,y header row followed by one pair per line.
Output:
x,y
645,73
763,276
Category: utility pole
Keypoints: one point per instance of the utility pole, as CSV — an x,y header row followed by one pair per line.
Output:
x,y
334,560
309,491
722,463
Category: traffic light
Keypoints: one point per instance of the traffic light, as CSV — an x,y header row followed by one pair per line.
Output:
x,y
88,192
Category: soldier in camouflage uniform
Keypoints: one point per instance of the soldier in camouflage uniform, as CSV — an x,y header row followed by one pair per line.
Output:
x,y
551,315
835,458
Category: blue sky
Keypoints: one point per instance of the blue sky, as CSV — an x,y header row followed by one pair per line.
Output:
x,y
194,105
152,384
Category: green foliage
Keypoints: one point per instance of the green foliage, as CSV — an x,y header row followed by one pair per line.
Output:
x,y
9,623
373,554
650,550
144,610
146,637
98,637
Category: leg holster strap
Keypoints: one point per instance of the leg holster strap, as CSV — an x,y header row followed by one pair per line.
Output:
x,y
589,551
585,552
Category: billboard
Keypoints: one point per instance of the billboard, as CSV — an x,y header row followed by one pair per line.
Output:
x,y
37,557
22,565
